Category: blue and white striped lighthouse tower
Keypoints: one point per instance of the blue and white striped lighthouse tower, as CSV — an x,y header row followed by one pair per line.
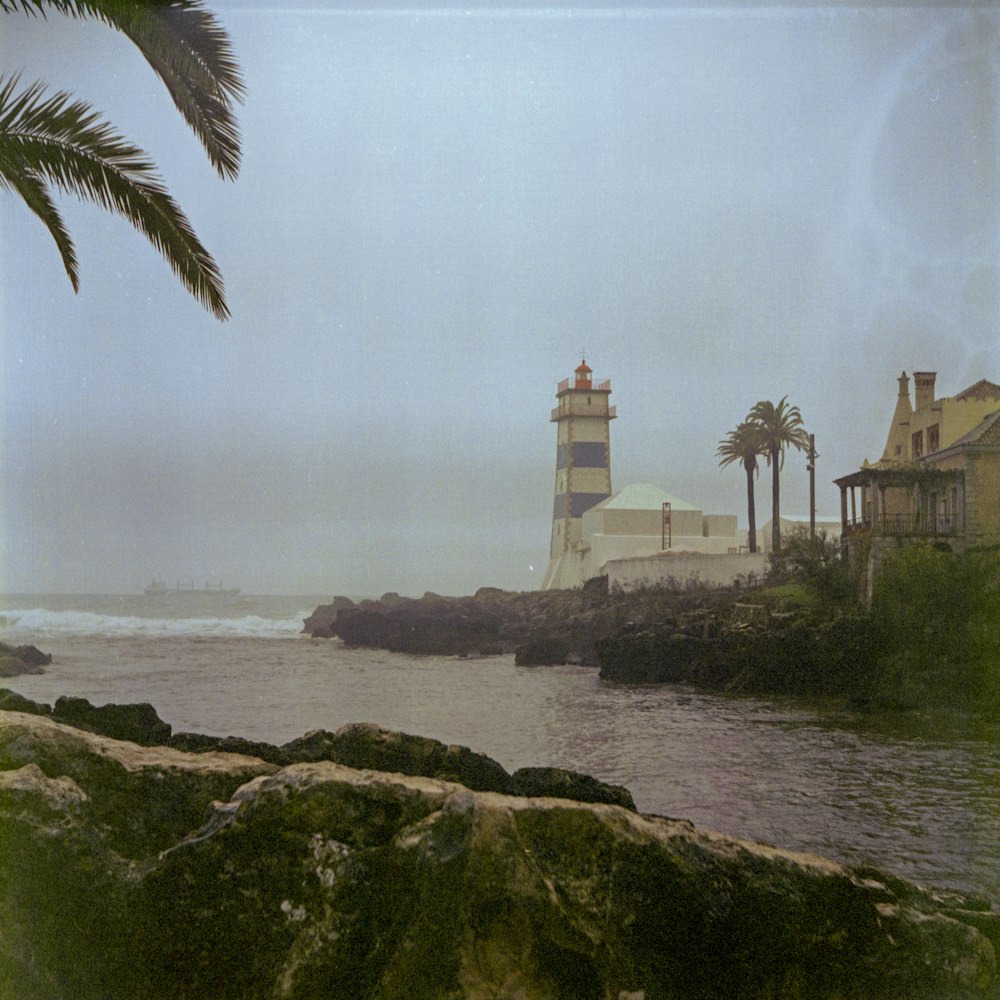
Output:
x,y
583,467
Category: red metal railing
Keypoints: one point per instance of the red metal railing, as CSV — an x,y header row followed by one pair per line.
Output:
x,y
568,383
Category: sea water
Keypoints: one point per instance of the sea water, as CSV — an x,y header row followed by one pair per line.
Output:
x,y
917,798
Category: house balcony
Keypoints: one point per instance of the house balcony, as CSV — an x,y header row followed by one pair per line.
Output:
x,y
916,502
903,525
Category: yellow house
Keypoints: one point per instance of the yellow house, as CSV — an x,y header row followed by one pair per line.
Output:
x,y
938,477
930,425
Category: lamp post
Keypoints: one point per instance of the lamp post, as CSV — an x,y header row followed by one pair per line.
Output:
x,y
812,485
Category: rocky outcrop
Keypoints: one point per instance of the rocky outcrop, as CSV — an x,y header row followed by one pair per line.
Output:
x,y
358,745
138,723
555,782
540,627
367,746
745,648
317,879
17,660
320,623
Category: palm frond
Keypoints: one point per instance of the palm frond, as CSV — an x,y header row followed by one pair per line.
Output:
x,y
742,444
53,140
14,177
187,49
781,426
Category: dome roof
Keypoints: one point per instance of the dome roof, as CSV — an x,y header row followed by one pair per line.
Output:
x,y
643,496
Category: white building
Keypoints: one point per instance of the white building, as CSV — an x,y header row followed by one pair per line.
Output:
x,y
794,523
594,529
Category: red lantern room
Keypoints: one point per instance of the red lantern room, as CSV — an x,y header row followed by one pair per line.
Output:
x,y
583,375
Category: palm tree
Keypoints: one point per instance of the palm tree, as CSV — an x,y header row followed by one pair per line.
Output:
x,y
780,428
743,445
51,141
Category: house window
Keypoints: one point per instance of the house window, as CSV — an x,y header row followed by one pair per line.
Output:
x,y
933,439
918,444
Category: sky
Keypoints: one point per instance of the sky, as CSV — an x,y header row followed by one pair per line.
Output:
x,y
440,210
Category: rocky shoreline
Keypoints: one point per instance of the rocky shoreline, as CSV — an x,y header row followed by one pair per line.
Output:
x,y
722,639
359,745
367,863
538,627
771,641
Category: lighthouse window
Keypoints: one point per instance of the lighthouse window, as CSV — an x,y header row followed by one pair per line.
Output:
x,y
588,401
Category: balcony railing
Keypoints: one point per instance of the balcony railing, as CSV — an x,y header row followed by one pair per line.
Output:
x,y
558,412
906,524
571,383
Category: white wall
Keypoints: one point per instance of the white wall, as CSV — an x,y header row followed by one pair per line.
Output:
x,y
708,570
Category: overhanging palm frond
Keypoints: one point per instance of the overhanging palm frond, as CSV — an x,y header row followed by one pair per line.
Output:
x,y
55,141
36,196
189,51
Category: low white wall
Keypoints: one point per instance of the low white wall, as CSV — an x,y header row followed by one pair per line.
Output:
x,y
606,547
707,570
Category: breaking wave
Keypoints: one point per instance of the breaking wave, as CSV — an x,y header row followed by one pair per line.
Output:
x,y
41,622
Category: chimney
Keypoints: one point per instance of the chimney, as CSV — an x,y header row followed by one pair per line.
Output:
x,y
924,385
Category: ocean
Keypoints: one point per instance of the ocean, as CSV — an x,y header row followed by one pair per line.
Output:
x,y
915,797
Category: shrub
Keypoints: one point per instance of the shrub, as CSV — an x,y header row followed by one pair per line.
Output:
x,y
938,612
814,562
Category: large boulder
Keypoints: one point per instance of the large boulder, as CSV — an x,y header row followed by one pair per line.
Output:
x,y
318,880
431,626
141,799
558,783
17,660
138,723
363,745
11,701
320,623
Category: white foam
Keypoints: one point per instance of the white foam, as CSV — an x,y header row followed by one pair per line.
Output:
x,y
45,623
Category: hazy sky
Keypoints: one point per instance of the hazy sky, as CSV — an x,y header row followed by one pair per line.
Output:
x,y
438,210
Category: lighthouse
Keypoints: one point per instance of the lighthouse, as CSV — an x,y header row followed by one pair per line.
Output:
x,y
583,468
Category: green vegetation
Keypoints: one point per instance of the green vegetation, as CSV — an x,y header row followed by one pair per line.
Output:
x,y
815,566
932,633
937,616
930,642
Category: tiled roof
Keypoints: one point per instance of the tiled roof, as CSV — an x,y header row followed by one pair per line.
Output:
x,y
983,389
987,432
